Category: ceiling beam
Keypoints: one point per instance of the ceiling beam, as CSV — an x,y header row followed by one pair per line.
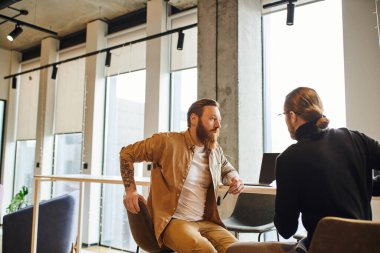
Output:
x,y
5,3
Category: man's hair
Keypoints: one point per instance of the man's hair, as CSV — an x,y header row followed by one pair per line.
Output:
x,y
197,107
306,103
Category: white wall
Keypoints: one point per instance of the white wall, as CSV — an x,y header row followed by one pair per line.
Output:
x,y
362,71
5,56
362,66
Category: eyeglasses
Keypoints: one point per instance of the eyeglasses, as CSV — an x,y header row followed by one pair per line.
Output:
x,y
283,113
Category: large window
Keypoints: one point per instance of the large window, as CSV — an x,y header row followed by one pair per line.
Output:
x,y
67,160
184,93
124,125
24,171
309,53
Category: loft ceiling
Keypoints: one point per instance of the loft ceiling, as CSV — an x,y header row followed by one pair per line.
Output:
x,y
69,16
64,16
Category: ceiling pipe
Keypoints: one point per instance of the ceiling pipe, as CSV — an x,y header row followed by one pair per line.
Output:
x,y
22,23
150,37
20,12
274,4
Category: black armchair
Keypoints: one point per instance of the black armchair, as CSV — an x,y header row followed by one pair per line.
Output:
x,y
57,227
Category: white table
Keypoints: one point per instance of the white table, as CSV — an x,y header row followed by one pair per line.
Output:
x,y
84,178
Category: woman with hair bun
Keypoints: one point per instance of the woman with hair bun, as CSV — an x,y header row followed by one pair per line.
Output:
x,y
328,172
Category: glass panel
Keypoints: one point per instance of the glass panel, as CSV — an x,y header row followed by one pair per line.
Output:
x,y
25,155
124,125
184,93
68,154
309,53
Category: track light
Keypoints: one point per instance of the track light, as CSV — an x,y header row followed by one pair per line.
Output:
x,y
14,82
290,14
181,38
16,32
290,9
108,59
54,72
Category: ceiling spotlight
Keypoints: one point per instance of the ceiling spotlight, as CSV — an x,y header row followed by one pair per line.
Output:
x,y
108,59
181,38
16,32
290,9
14,82
290,14
54,72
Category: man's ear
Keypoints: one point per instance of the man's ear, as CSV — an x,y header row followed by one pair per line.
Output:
x,y
193,119
293,116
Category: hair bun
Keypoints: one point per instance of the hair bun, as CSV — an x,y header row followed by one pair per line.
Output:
x,y
322,122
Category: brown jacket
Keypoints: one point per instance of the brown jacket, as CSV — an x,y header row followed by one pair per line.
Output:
x,y
171,155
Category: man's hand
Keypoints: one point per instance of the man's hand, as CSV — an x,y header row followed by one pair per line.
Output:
x,y
236,186
131,201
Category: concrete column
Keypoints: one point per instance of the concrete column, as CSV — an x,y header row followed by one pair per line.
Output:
x,y
93,127
230,70
157,70
207,49
10,131
45,114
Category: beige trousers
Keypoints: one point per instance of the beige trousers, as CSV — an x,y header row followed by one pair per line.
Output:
x,y
197,236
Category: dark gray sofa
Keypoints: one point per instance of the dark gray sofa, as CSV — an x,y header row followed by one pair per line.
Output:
x,y
57,228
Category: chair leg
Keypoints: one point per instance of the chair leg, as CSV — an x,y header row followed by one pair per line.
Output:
x,y
137,249
277,234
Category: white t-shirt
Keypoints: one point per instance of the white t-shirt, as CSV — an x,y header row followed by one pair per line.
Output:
x,y
191,203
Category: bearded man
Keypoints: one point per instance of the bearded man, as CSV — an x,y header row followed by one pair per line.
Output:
x,y
187,170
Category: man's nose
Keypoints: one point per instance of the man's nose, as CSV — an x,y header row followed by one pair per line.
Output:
x,y
217,124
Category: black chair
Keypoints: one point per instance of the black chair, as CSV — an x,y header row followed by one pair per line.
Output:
x,y
143,231
253,213
57,226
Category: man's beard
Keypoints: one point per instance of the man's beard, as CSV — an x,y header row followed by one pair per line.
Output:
x,y
208,138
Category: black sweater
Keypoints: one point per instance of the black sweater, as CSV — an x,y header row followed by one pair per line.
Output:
x,y
326,173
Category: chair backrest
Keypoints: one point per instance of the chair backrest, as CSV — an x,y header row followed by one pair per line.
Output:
x,y
142,229
56,226
254,209
339,235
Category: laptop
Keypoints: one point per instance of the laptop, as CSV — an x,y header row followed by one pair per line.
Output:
x,y
267,171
